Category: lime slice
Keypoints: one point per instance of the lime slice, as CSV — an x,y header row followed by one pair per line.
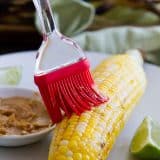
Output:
x,y
10,75
146,141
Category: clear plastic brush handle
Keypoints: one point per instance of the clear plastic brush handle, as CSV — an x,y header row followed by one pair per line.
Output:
x,y
56,50
45,15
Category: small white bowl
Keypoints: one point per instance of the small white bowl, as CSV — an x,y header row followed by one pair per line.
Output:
x,y
20,140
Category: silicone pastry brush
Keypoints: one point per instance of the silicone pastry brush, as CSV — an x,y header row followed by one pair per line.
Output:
x,y
62,71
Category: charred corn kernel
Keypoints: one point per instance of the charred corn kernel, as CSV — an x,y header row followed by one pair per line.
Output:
x,y
91,135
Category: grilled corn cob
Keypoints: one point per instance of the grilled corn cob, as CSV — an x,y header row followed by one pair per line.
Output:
x,y
91,135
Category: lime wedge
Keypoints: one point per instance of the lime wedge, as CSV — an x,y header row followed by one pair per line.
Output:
x,y
10,75
146,141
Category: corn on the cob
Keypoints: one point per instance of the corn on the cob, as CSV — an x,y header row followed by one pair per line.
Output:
x,y
91,135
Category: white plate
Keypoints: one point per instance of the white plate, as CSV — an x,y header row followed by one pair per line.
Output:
x,y
19,140
149,105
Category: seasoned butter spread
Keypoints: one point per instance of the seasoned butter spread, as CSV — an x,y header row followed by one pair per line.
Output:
x,y
21,116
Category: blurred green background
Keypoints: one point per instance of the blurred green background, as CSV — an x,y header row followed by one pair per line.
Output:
x,y
108,26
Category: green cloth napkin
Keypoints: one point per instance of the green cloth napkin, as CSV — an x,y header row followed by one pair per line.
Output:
x,y
74,17
118,39
124,15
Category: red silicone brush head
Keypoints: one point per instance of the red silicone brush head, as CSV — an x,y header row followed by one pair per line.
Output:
x,y
69,89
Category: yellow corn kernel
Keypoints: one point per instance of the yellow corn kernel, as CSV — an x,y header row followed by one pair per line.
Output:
x,y
77,156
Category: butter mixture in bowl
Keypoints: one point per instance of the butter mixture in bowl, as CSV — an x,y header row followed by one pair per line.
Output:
x,y
20,116
23,117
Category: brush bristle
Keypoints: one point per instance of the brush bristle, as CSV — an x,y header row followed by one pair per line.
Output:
x,y
72,93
